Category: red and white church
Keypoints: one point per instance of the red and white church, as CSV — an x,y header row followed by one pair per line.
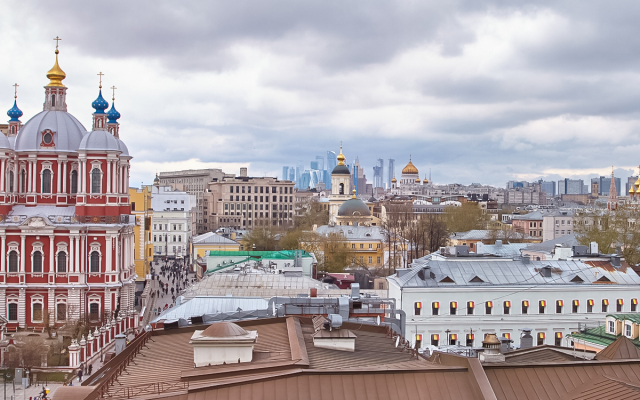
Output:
x,y
66,236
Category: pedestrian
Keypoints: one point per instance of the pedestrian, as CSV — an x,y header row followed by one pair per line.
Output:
x,y
80,375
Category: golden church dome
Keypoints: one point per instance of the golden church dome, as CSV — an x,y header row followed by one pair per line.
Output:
x,y
417,180
425,181
410,169
56,74
631,191
394,180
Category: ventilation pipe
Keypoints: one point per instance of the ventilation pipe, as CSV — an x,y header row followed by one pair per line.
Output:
x,y
526,340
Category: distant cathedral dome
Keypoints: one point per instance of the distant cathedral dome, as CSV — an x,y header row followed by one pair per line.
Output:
x,y
410,169
354,207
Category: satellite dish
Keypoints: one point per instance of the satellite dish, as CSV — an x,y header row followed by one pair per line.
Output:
x,y
378,320
397,341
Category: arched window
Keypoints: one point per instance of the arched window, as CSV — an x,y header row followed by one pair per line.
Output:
x,y
94,311
74,181
62,261
13,130
23,181
13,261
46,181
95,180
95,261
53,100
174,238
11,181
37,262
342,188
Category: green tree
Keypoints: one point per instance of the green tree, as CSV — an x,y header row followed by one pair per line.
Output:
x,y
290,240
260,239
467,217
332,251
312,213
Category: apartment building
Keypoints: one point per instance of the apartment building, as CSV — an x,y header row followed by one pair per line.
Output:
x,y
173,221
244,202
194,182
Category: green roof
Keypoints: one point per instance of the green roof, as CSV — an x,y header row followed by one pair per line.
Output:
x,y
635,317
273,255
599,336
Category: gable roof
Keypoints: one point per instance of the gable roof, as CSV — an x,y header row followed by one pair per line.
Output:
x,y
621,349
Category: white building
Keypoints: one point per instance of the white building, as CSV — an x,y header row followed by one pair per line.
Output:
x,y
557,223
459,299
174,221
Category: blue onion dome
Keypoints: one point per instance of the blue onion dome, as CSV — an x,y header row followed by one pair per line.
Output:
x,y
113,114
100,104
14,112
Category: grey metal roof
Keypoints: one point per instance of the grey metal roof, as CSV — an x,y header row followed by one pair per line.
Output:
x,y
547,246
201,305
483,234
210,237
512,272
535,215
503,250
353,232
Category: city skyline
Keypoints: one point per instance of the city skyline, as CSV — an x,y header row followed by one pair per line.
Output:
x,y
523,92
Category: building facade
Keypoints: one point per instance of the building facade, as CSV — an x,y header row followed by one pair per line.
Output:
x,y
143,213
244,202
174,221
457,300
66,233
195,182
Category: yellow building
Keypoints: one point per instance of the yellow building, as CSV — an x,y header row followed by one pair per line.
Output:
x,y
367,243
141,208
211,241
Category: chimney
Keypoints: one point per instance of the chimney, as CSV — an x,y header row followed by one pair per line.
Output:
x,y
526,340
491,345
499,243
355,291
615,260
243,171
546,271
526,259
594,247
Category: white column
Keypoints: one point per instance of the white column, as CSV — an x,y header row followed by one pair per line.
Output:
x,y
34,177
83,176
108,176
126,186
72,259
29,176
76,239
3,253
58,186
82,255
114,176
22,305
118,253
108,253
64,177
2,175
22,253
51,253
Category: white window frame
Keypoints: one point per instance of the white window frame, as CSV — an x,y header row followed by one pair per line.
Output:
x,y
95,165
95,246
13,299
37,299
62,248
61,300
46,165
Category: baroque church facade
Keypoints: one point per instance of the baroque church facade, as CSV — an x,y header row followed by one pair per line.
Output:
x,y
66,233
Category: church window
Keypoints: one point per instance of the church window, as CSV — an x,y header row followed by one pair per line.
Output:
x,y
341,188
13,130
95,261
37,312
47,138
46,181
62,261
10,181
94,311
61,312
95,180
53,100
74,181
13,311
37,262
23,181
13,261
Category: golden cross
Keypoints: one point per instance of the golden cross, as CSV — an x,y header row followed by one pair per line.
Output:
x,y
15,87
101,75
57,39
114,93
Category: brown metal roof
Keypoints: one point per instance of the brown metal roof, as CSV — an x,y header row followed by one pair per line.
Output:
x,y
543,354
605,387
621,349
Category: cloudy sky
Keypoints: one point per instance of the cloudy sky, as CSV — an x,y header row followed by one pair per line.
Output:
x,y
476,91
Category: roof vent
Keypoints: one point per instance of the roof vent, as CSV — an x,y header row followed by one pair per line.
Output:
x,y
498,243
615,261
526,340
491,345
446,279
476,279
222,343
546,271
603,279
577,279
526,259
334,338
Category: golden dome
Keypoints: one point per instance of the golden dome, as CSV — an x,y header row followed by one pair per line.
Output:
x,y
425,181
410,169
417,180
56,74
341,157
631,191
637,184
394,180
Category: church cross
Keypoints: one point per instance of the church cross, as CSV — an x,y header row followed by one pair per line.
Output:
x,y
57,39
113,88
15,90
100,74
